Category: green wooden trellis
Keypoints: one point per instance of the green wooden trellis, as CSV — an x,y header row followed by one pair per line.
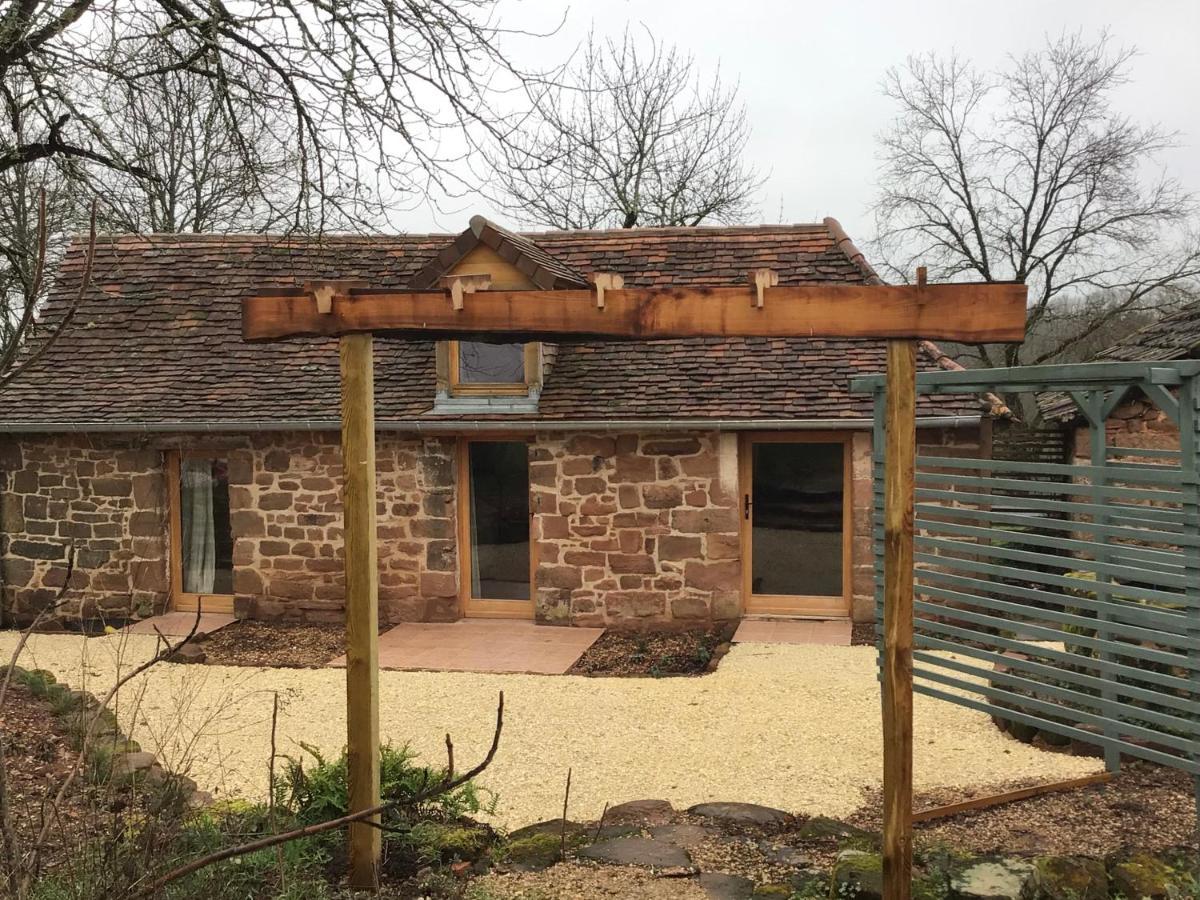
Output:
x,y
1081,581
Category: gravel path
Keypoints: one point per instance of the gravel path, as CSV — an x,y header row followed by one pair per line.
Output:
x,y
795,727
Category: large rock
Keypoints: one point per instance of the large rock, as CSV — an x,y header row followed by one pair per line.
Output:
x,y
991,879
858,874
1138,874
638,851
684,835
822,828
741,813
188,653
550,826
1066,878
640,812
125,765
719,886
532,852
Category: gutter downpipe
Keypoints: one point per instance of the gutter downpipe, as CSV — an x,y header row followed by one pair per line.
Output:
x,y
417,426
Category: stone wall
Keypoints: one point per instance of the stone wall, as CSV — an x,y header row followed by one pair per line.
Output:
x,y
627,529
1135,423
103,497
631,529
286,514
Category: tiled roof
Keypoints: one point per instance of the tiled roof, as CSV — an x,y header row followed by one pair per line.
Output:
x,y
1174,336
157,338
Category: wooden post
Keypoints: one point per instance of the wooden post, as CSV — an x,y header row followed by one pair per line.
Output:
x,y
362,601
899,467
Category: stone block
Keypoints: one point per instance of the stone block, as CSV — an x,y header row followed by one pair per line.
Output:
x,y
662,496
716,576
689,607
679,547
635,469
565,577
722,546
671,447
275,500
433,528
635,604
439,584
591,445
245,523
631,563
704,521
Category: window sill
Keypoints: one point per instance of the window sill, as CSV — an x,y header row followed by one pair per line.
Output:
x,y
477,405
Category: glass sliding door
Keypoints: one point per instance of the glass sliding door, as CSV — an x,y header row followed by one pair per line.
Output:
x,y
201,534
796,523
494,501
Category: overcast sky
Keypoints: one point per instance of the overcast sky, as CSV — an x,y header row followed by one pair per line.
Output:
x,y
810,72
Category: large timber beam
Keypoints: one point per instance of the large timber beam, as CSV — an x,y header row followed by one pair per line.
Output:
x,y
971,313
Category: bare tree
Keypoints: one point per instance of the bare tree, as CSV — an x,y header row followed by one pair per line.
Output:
x,y
633,136
197,115
210,168
1029,174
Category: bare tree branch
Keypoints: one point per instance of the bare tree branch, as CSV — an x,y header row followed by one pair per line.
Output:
x,y
1028,174
633,137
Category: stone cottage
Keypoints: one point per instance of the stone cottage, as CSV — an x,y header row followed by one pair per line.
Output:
x,y
623,484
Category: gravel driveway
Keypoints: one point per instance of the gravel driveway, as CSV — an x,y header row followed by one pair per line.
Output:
x,y
795,727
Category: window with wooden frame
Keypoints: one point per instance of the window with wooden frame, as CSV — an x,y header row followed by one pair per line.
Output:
x,y
201,532
797,523
480,369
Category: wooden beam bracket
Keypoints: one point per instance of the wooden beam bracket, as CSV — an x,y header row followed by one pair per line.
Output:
x,y
763,279
459,285
605,281
324,292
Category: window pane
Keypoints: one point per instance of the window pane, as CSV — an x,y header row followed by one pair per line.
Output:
x,y
499,474
480,363
797,511
206,539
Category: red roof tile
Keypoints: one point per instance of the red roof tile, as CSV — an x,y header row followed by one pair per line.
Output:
x,y
157,339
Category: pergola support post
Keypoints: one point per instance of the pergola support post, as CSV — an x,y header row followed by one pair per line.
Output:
x,y
899,473
362,602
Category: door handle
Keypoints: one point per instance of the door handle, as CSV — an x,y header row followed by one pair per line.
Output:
x,y
746,506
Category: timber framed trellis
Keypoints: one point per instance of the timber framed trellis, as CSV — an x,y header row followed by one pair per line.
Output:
x,y
899,313
1064,597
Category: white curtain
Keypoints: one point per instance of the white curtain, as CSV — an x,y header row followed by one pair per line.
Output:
x,y
198,534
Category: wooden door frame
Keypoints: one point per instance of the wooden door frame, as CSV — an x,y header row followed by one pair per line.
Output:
x,y
181,600
467,605
787,604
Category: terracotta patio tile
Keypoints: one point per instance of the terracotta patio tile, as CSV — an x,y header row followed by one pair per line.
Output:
x,y
482,645
828,632
179,624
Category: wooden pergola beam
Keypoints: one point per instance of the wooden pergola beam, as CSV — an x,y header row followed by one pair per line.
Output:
x,y
971,313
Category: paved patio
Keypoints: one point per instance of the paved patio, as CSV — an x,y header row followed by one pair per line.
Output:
x,y
823,632
499,646
179,624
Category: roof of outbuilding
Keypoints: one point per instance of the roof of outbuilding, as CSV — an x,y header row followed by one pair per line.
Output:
x,y
1174,336
157,338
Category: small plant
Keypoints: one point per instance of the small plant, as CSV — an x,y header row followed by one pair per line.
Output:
x,y
321,791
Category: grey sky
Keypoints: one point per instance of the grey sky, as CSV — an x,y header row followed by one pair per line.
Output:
x,y
810,72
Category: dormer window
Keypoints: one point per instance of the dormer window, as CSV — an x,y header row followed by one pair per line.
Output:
x,y
482,369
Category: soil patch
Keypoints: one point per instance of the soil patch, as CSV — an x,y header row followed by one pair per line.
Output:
x,y
862,634
39,757
1145,806
277,645
654,654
